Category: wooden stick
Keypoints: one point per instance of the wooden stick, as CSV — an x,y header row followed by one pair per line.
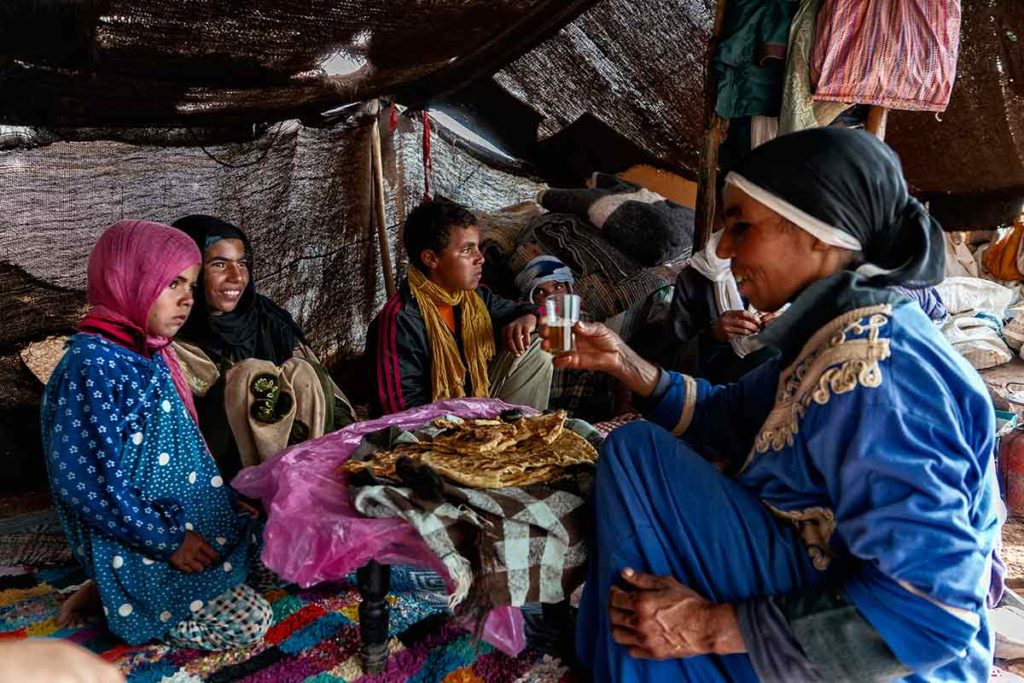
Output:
x,y
878,117
380,214
714,125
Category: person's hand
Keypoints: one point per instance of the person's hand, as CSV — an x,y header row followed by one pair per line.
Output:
x,y
597,348
660,618
768,318
734,324
248,509
39,660
517,333
194,554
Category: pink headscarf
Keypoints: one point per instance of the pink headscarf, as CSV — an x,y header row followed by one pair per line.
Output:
x,y
130,266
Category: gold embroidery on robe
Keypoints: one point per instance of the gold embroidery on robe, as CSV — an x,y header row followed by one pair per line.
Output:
x,y
840,357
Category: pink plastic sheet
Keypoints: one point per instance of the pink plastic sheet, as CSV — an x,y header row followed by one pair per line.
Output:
x,y
313,534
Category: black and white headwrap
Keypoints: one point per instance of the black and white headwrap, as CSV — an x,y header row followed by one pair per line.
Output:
x,y
846,188
542,269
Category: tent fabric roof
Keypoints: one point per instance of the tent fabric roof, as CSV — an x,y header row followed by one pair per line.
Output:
x,y
564,71
202,62
636,66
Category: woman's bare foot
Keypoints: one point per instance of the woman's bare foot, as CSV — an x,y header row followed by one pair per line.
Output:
x,y
80,605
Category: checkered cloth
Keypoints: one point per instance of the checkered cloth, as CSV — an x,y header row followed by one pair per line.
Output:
x,y
586,395
237,618
606,428
509,546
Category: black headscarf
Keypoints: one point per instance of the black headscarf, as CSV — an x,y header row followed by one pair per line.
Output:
x,y
853,183
257,328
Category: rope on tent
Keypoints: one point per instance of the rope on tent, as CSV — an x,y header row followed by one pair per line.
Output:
x,y
428,164
380,213
393,118
247,164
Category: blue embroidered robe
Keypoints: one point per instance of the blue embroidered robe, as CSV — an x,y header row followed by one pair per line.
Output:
x,y
872,453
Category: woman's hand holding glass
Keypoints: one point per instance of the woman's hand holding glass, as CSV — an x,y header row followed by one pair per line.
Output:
x,y
598,348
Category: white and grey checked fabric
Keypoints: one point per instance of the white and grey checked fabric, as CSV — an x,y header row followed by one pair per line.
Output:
x,y
236,618
524,545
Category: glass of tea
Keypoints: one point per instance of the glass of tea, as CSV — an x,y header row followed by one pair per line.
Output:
x,y
561,313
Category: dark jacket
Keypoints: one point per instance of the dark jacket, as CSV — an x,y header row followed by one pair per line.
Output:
x,y
400,353
688,345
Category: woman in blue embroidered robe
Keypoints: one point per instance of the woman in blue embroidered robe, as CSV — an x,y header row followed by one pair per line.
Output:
x,y
146,511
832,515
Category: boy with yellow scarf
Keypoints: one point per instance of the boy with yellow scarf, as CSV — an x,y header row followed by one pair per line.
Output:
x,y
435,339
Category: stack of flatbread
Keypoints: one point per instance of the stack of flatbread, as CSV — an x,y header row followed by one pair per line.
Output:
x,y
490,453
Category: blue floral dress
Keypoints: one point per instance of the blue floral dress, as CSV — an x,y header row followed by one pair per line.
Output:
x,y
130,473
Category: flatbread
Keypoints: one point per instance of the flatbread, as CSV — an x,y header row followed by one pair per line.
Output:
x,y
384,463
546,427
491,453
473,437
568,449
530,462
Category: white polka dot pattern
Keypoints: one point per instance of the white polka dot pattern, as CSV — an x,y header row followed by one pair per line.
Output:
x,y
124,469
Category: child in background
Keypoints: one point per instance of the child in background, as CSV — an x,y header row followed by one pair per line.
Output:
x,y
585,395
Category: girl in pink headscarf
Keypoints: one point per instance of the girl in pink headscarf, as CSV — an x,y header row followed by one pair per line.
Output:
x,y
148,514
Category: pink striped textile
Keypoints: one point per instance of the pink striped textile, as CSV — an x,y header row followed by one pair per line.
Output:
x,y
899,54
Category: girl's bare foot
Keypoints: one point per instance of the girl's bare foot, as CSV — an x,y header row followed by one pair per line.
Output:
x,y
80,605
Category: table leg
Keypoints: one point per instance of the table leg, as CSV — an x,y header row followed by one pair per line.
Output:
x,y
374,580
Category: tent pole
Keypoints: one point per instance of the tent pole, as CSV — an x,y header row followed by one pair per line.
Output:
x,y
714,127
380,214
877,119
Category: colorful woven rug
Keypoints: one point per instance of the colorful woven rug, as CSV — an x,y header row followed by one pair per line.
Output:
x,y
314,639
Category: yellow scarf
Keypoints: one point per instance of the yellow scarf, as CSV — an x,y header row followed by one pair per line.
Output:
x,y
448,375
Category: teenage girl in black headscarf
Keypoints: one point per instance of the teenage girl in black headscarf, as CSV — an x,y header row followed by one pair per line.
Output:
x,y
232,323
251,325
